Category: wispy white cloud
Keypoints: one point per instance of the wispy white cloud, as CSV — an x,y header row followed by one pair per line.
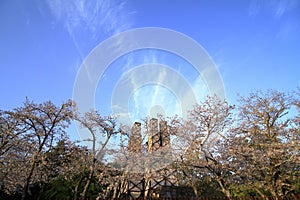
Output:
x,y
283,6
96,19
109,16
289,30
156,95
200,89
128,64
254,8
277,8
172,93
90,22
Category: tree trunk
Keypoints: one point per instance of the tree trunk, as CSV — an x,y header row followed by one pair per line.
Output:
x,y
260,193
274,195
77,187
88,182
26,187
195,189
223,188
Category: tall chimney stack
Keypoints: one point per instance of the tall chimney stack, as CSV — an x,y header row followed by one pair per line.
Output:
x,y
135,139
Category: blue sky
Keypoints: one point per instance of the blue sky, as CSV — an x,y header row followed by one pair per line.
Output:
x,y
255,45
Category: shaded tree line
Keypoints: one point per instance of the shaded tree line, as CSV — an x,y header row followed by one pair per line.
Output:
x,y
248,149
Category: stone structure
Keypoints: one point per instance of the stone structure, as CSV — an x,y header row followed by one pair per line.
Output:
x,y
135,139
154,180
